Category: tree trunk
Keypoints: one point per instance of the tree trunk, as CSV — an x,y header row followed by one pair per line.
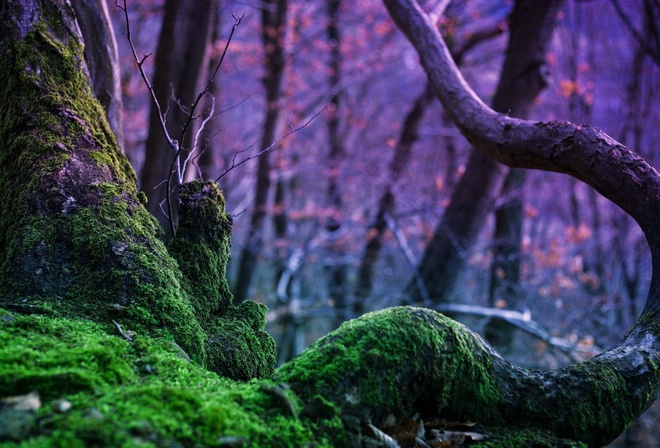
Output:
x,y
523,77
94,22
398,166
76,238
273,32
336,269
180,70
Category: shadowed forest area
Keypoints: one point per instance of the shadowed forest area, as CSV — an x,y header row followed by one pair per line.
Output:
x,y
348,188
342,216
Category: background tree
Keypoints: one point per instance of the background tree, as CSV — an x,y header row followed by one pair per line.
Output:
x,y
523,77
397,169
273,35
180,72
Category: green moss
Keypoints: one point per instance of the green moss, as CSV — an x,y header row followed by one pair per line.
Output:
x,y
381,351
58,356
140,394
239,347
202,247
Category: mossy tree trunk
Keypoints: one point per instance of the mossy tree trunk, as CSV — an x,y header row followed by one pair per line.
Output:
x,y
76,238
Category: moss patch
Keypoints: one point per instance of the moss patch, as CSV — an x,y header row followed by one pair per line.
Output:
x,y
140,394
239,347
202,247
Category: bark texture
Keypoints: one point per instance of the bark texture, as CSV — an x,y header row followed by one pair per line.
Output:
x,y
102,60
81,251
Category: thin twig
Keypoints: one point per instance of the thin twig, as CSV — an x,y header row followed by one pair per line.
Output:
x,y
197,136
124,335
177,146
163,125
140,63
268,149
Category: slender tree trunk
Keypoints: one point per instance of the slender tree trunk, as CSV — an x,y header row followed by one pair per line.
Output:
x,y
399,165
336,269
179,73
273,32
523,76
628,256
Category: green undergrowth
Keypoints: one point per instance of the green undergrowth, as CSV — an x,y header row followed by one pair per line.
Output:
x,y
139,393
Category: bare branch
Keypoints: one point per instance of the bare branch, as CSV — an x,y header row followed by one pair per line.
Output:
x,y
140,62
175,166
653,53
269,149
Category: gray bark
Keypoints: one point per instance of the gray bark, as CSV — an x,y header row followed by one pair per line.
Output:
x,y
102,60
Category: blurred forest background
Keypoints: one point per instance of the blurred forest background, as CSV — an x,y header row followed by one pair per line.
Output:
x,y
349,212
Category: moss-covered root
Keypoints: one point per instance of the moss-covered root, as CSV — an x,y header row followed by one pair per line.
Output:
x,y
202,247
239,346
393,363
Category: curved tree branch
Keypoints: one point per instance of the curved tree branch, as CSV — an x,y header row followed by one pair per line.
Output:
x,y
581,151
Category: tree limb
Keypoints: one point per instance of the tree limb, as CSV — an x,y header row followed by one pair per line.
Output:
x,y
581,151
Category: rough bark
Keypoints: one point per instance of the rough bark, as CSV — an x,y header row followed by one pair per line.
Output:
x,y
81,251
523,77
102,60
273,31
